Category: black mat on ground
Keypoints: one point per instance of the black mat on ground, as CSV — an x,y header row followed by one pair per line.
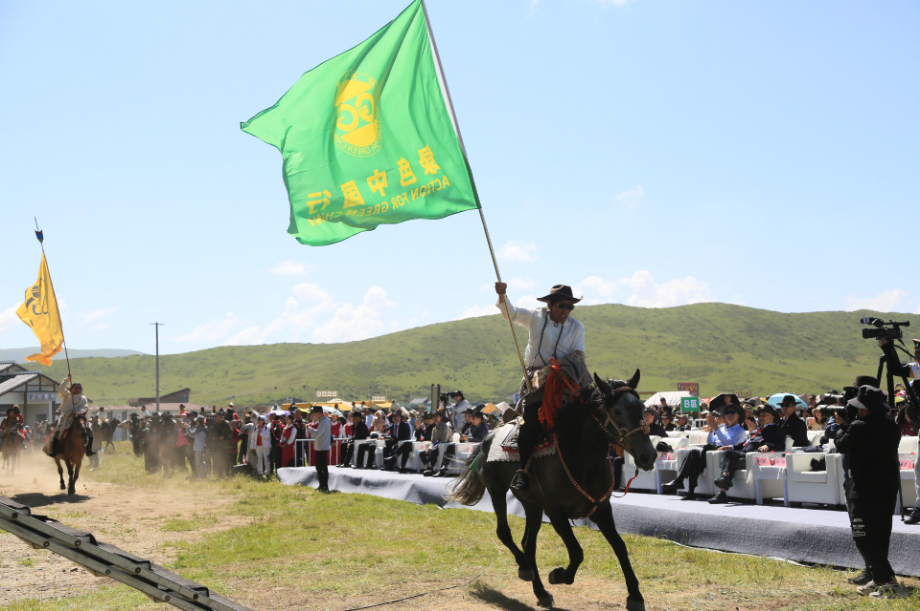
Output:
x,y
815,535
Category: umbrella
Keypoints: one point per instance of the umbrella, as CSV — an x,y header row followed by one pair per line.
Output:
x,y
777,399
333,411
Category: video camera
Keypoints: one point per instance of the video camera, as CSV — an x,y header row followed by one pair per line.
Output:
x,y
890,330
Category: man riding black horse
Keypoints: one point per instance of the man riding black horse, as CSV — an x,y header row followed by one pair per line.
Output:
x,y
554,334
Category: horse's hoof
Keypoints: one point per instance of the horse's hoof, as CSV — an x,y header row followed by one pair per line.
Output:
x,y
525,575
557,576
546,601
635,605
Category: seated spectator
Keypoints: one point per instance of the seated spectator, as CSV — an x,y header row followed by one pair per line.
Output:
x,y
767,437
908,428
479,430
792,425
358,432
654,427
725,435
399,431
683,423
667,421
440,433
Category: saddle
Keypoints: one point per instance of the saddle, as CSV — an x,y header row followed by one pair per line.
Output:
x,y
510,442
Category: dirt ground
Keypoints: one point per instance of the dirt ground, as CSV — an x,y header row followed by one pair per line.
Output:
x,y
132,521
136,518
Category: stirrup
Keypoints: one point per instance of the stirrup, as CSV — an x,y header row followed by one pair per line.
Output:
x,y
520,481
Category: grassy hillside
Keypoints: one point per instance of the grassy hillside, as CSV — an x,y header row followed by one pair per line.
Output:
x,y
724,347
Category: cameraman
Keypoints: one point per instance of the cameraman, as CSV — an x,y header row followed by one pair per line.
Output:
x,y
460,408
910,369
871,442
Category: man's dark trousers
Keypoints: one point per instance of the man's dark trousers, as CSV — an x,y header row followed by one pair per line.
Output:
x,y
371,449
322,468
870,521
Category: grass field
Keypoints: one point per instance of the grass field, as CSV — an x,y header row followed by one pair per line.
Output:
x,y
723,347
292,548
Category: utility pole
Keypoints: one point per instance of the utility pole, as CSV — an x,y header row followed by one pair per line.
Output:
x,y
157,325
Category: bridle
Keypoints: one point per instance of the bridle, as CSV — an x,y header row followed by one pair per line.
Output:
x,y
617,438
618,435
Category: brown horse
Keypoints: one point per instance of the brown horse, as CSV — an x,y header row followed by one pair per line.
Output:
x,y
71,451
10,447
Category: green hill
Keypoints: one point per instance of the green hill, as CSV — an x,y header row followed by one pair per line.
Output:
x,y
723,347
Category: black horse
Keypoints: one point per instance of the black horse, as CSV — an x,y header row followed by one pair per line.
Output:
x,y
573,483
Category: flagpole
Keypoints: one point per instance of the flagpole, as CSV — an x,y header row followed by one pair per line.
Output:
x,y
453,117
41,240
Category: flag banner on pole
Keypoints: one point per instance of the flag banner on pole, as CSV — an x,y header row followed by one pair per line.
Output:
x,y
366,138
40,311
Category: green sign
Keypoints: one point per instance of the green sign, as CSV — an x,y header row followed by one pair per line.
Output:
x,y
689,404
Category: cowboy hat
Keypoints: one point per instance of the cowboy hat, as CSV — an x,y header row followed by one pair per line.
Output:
x,y
559,291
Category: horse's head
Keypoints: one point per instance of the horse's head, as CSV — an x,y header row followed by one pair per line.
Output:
x,y
624,423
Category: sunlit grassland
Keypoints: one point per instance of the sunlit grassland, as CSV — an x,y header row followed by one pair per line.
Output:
x,y
329,547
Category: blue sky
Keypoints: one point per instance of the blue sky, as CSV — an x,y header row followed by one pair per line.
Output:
x,y
647,152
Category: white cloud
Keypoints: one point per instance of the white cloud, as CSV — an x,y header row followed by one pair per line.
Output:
x,y
246,337
646,292
529,301
887,301
352,323
290,268
649,294
598,286
616,3
8,317
630,197
473,312
211,331
515,251
93,316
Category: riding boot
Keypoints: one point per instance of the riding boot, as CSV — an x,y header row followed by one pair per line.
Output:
x,y
527,439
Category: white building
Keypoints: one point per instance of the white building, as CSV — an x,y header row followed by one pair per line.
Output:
x,y
34,392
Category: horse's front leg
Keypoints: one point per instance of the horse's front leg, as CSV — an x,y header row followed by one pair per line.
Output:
x,y
61,473
564,529
534,515
503,531
71,483
603,517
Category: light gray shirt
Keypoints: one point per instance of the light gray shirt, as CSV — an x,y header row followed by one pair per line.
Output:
x,y
322,434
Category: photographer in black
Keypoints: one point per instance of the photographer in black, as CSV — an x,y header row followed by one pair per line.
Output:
x,y
871,443
911,369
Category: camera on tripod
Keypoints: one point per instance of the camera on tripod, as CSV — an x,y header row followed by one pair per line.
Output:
x,y
890,330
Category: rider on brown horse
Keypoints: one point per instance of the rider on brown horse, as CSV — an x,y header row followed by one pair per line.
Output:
x,y
74,405
11,429
553,335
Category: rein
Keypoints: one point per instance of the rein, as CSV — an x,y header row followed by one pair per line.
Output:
x,y
620,438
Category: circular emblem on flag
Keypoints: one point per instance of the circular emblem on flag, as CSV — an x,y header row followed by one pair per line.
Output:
x,y
357,128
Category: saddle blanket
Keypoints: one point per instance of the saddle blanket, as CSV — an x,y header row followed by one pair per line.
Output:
x,y
504,445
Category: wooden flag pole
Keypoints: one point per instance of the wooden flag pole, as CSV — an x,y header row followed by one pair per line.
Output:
x,y
453,117
41,240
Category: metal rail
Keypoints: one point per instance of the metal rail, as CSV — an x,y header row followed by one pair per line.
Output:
x,y
103,560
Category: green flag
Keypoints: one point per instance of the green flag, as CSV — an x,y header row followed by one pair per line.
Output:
x,y
367,138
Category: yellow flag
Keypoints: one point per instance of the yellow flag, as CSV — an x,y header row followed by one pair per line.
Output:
x,y
40,311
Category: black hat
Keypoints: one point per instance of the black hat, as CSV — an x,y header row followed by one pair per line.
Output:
x,y
789,399
455,393
766,407
356,413
869,398
427,416
650,410
317,409
666,414
864,381
439,415
478,414
559,291
717,402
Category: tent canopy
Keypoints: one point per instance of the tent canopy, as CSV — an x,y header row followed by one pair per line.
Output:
x,y
673,398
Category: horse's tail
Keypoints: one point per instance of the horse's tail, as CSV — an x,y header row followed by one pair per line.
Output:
x,y
469,488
